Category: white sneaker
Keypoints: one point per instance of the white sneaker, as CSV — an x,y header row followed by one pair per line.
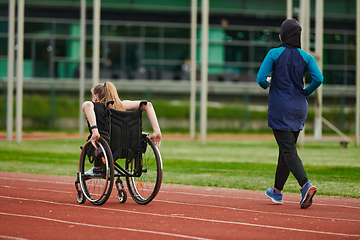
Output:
x,y
90,171
95,171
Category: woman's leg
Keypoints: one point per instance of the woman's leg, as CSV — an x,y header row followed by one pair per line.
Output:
x,y
286,141
282,172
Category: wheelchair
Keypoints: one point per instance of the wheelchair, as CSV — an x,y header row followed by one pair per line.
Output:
x,y
141,161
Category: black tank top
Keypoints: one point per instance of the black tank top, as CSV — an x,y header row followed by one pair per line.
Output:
x,y
100,113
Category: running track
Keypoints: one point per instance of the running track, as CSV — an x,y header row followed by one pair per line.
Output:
x,y
45,207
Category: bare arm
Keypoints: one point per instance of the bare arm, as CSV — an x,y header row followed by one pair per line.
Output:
x,y
88,110
150,112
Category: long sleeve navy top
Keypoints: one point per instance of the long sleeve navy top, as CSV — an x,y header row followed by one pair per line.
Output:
x,y
287,104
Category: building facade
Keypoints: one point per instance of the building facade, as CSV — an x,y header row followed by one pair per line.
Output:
x,y
150,40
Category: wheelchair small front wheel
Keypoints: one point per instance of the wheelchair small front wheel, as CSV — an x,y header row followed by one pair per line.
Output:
x,y
80,197
122,196
144,189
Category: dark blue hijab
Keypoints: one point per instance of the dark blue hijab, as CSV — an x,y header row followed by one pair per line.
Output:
x,y
290,32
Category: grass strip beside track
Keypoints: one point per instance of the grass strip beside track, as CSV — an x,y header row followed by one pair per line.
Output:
x,y
241,164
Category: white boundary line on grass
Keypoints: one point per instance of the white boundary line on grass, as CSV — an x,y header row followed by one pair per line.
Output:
x,y
182,217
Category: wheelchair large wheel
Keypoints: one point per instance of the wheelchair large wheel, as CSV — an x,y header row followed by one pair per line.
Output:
x,y
96,185
144,189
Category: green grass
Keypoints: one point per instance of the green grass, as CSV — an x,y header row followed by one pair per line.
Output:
x,y
241,164
43,109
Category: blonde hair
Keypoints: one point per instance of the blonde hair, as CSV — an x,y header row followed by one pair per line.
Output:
x,y
106,92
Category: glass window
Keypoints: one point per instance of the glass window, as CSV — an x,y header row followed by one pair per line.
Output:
x,y
4,26
132,56
151,50
89,30
174,68
64,29
114,54
71,48
334,56
128,30
42,52
351,57
89,49
70,70
351,54
152,71
260,53
333,77
38,28
4,48
60,49
27,48
262,36
152,32
351,39
176,51
334,39
246,75
351,78
41,68
176,32
237,35
275,37
236,53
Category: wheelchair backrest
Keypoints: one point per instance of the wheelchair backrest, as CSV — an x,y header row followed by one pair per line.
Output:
x,y
125,132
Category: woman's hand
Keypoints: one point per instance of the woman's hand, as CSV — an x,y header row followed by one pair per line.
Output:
x,y
95,137
269,80
156,138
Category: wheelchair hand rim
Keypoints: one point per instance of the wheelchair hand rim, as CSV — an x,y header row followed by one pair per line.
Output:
x,y
107,177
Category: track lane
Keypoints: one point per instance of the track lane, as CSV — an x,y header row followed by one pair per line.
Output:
x,y
188,211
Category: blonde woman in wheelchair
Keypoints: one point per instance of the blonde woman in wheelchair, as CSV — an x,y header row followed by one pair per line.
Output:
x,y
95,112
118,148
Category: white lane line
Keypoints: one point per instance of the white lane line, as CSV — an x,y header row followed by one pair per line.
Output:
x,y
247,198
194,194
38,180
224,207
189,218
257,211
13,238
49,190
102,226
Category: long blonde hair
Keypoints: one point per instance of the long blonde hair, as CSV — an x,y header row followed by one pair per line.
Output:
x,y
107,91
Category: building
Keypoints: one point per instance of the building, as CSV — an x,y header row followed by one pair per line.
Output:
x,y
150,40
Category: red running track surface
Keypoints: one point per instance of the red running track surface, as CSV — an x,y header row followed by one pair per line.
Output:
x,y
45,207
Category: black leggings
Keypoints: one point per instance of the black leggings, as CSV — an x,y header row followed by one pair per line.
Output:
x,y
288,161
